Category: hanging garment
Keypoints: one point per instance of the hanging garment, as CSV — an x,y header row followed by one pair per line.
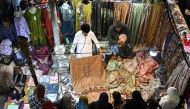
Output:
x,y
67,19
87,72
35,26
137,12
153,24
22,27
144,24
87,8
120,11
43,58
76,6
107,9
96,19
46,18
179,77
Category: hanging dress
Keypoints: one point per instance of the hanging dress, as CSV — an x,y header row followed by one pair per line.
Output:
x,y
35,25
67,18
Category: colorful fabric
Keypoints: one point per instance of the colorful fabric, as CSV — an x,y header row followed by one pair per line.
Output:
x,y
6,47
87,8
87,72
46,18
22,28
35,26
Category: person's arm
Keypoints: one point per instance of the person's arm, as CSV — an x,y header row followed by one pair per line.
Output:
x,y
95,40
75,41
110,36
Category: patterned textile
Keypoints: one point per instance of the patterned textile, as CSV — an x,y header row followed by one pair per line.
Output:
x,y
146,67
180,76
6,47
22,28
36,103
172,55
43,58
87,72
87,8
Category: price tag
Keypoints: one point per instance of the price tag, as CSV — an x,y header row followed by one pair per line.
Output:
x,y
35,18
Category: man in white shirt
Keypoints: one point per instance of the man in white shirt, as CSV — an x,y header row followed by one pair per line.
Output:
x,y
83,42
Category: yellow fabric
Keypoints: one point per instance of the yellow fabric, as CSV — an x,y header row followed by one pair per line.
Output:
x,y
76,6
87,13
120,11
153,24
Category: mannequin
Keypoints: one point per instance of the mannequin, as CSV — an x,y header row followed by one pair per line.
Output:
x,y
32,10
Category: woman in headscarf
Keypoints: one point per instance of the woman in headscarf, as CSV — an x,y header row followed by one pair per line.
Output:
x,y
118,102
83,103
171,100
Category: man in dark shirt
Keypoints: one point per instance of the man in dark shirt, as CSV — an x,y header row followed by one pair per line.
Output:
x,y
119,38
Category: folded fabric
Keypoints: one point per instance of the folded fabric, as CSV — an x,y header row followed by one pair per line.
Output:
x,y
52,96
52,88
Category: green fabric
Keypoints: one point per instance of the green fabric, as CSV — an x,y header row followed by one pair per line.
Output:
x,y
35,25
137,12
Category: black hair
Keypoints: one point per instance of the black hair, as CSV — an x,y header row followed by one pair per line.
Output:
x,y
85,28
117,98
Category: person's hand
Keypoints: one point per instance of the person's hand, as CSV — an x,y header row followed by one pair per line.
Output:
x,y
122,38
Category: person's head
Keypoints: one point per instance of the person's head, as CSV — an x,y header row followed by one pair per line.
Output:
x,y
83,99
6,21
103,97
118,25
85,29
40,91
48,105
172,92
117,98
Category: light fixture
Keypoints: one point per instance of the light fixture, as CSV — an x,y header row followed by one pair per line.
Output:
x,y
153,53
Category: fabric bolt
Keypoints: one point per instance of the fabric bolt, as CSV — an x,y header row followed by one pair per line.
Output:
x,y
83,44
146,68
43,58
87,72
179,77
8,32
131,65
22,28
35,26
161,73
52,88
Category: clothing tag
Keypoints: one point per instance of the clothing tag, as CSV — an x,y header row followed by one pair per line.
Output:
x,y
35,18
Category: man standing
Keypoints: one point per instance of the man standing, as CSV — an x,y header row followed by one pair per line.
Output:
x,y
83,42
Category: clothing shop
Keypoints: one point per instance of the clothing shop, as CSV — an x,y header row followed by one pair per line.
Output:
x,y
43,42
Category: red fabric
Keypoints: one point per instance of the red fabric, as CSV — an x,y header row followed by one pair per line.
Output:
x,y
186,42
48,26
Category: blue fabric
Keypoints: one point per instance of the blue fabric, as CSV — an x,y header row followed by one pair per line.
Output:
x,y
114,49
8,33
19,59
52,88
